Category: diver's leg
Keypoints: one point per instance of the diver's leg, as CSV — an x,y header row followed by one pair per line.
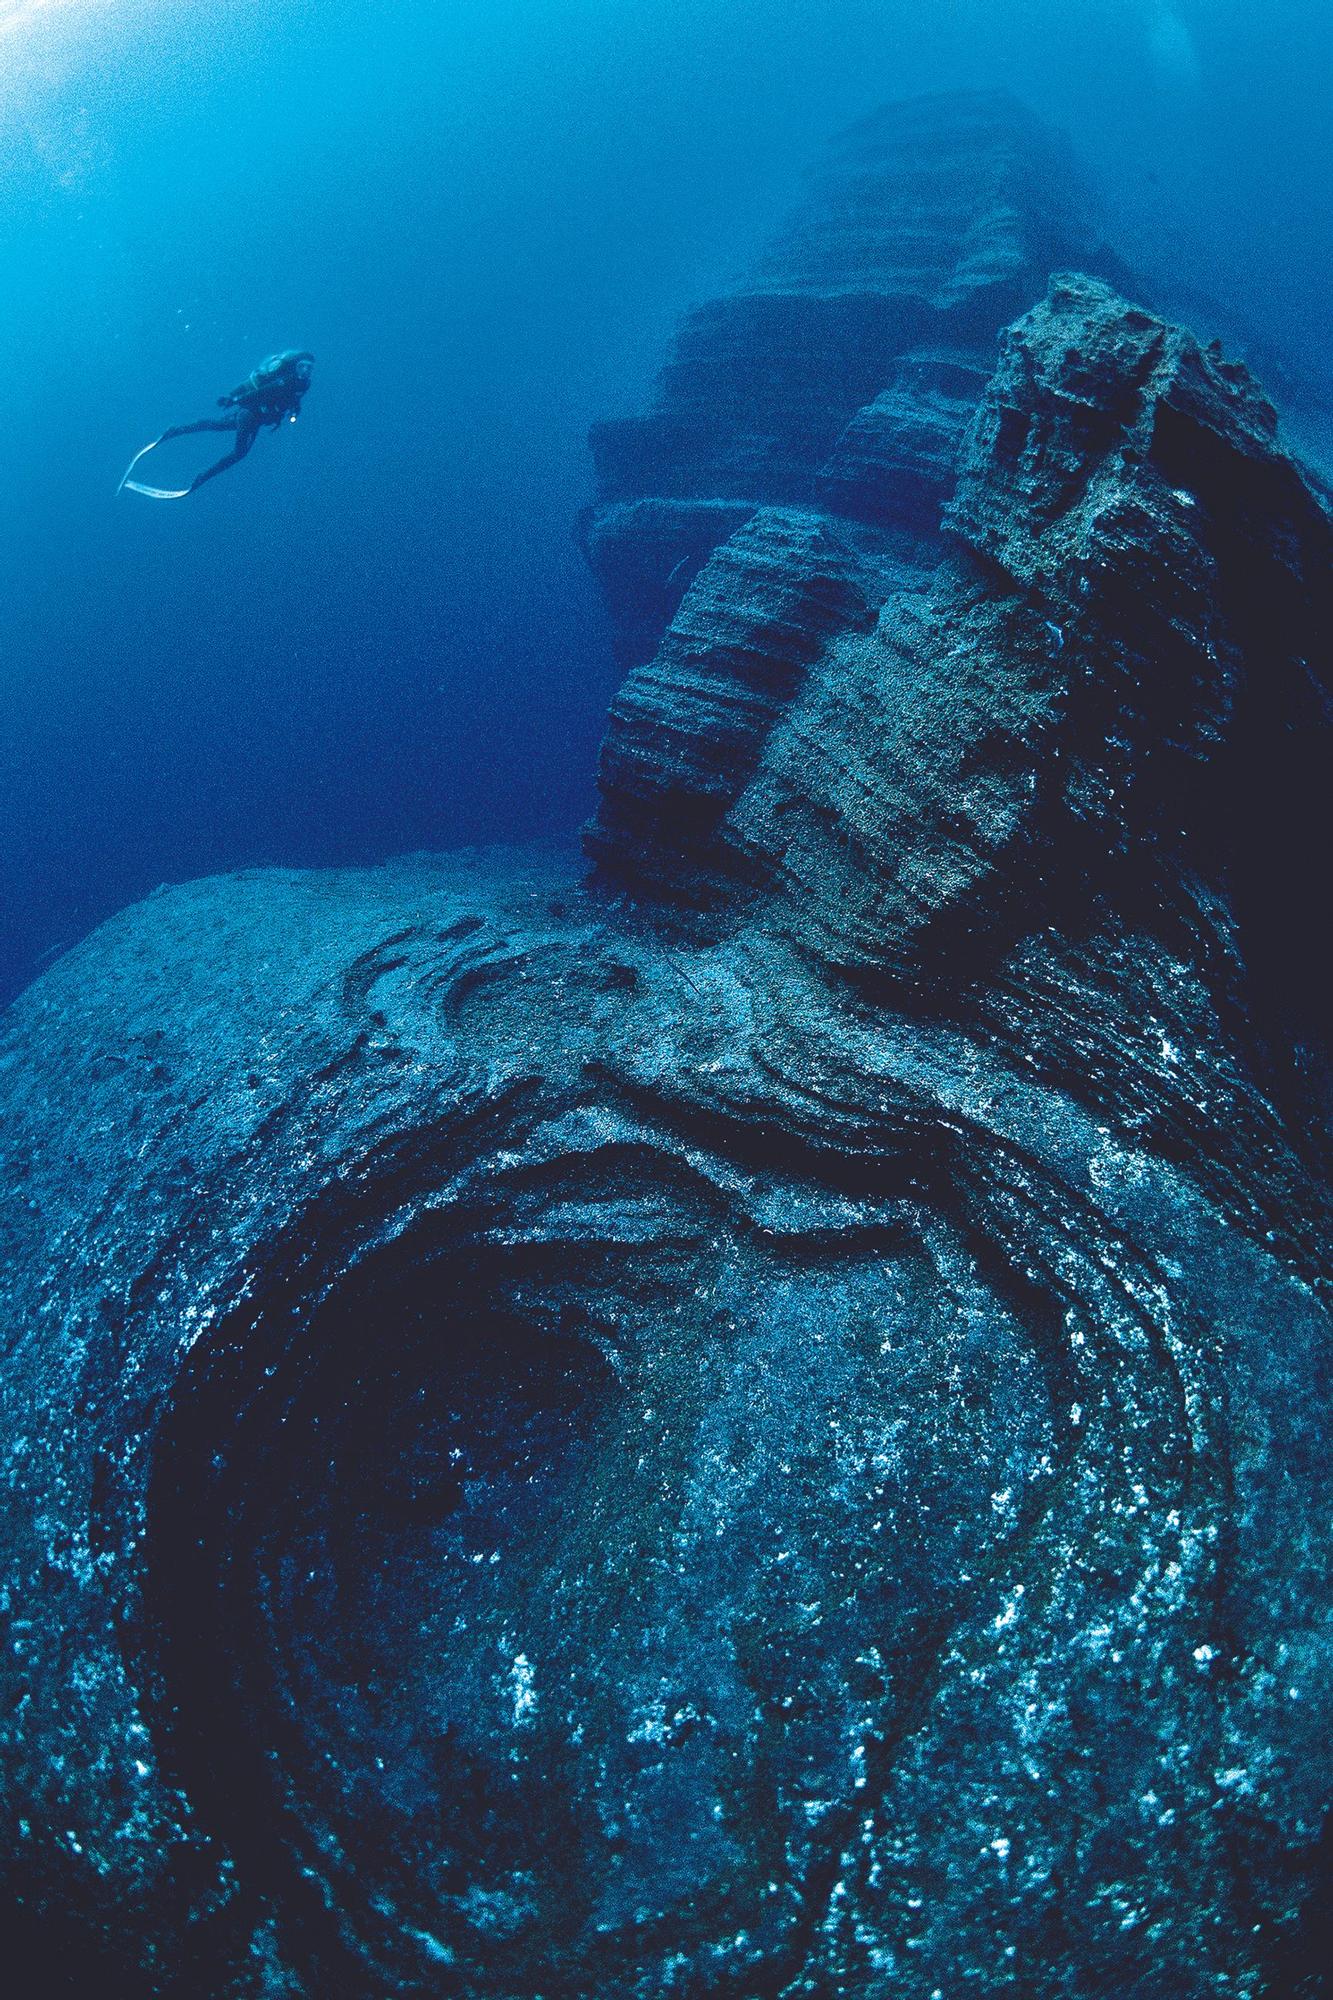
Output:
x,y
229,423
247,430
204,424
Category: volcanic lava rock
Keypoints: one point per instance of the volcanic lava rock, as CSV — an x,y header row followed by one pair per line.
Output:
x,y
762,1433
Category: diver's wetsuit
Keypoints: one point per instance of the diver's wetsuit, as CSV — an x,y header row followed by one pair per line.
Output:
x,y
269,397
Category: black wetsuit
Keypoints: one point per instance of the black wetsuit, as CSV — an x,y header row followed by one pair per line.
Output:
x,y
272,395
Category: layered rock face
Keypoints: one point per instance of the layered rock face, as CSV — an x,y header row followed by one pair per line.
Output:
x,y
843,374
763,1432
823,410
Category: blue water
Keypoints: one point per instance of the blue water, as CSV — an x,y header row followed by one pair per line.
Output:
x,y
483,216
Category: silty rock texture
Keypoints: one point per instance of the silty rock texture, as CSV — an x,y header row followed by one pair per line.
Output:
x,y
754,1425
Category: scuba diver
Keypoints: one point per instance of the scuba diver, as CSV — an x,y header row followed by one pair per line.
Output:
x,y
269,397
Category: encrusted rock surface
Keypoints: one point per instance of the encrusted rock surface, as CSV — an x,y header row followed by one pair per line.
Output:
x,y
756,1425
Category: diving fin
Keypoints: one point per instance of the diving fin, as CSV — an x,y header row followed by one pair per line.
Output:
x,y
128,485
152,492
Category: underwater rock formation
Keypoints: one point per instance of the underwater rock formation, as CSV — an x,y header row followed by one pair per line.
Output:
x,y
754,1425
844,373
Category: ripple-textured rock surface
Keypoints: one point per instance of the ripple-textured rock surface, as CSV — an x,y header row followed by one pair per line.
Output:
x,y
764,1433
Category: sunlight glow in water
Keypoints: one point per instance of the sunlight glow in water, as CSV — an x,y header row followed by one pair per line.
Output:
x,y
49,44
18,16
